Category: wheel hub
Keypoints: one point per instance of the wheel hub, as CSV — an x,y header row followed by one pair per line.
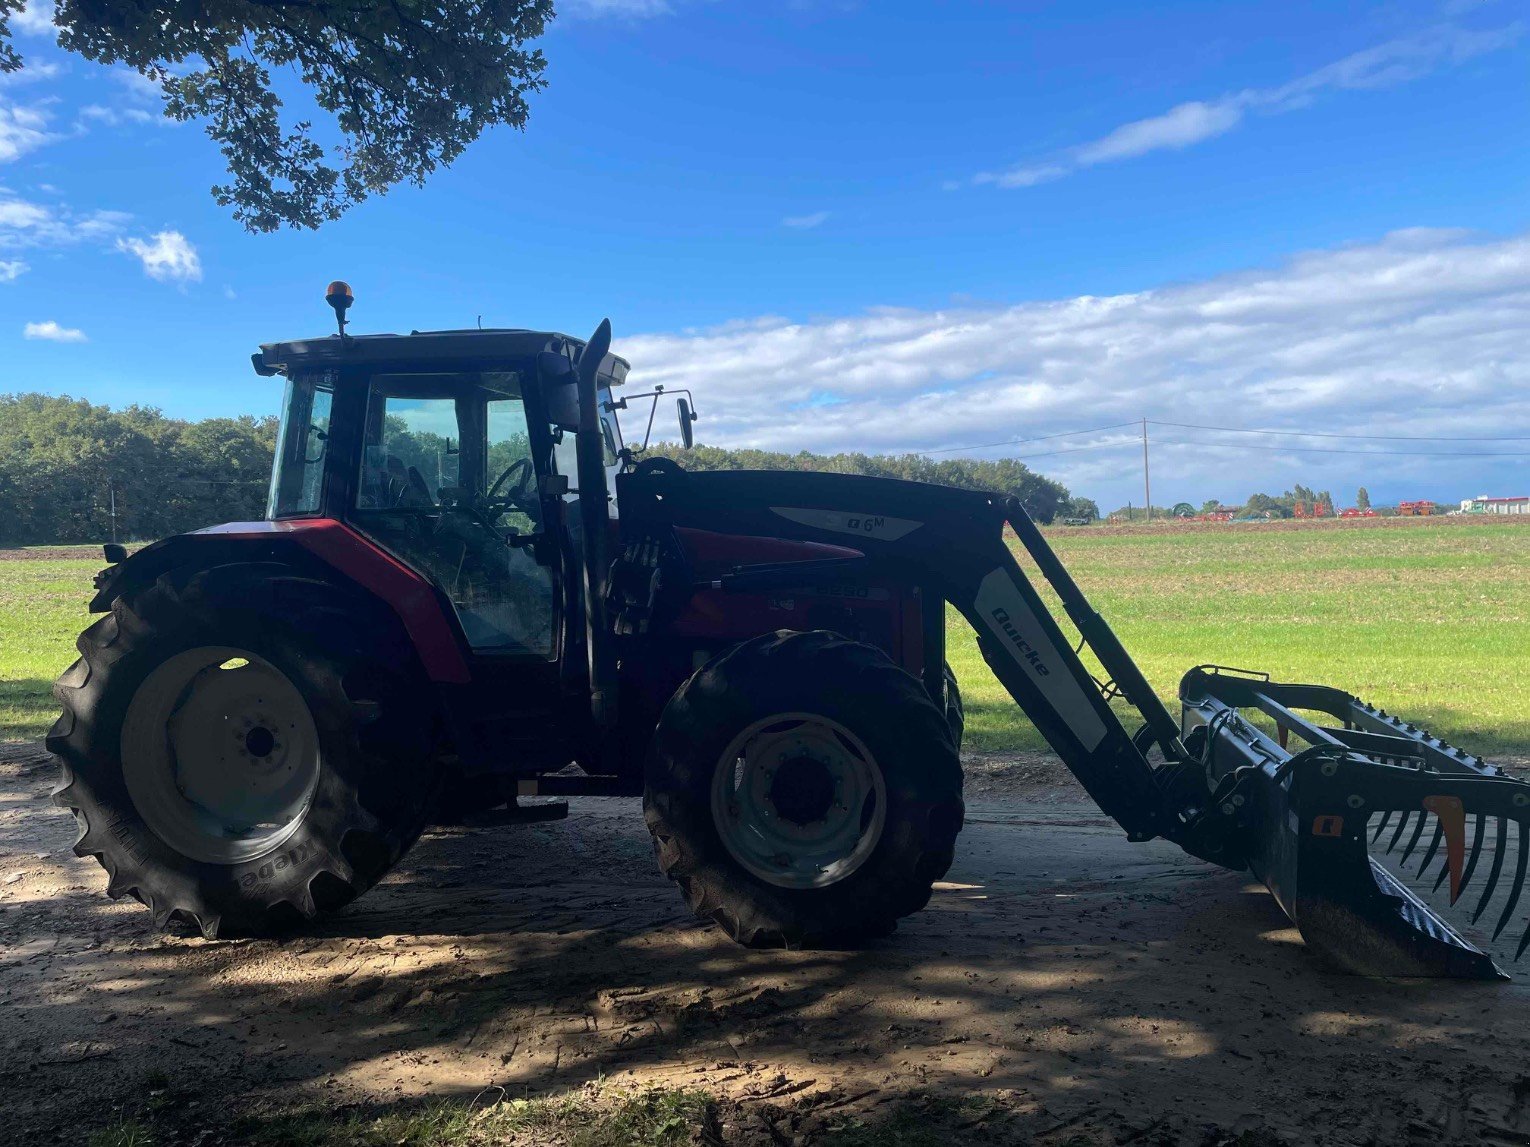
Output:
x,y
802,790
798,800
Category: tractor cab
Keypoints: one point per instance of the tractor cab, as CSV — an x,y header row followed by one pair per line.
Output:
x,y
454,452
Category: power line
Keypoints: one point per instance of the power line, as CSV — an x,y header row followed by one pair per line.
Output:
x,y
1360,453
1324,434
1019,441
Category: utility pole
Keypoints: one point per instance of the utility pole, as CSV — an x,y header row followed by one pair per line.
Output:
x,y
111,495
1147,482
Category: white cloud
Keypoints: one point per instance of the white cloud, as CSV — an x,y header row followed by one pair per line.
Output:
x,y
51,332
1419,333
36,19
1178,127
12,269
805,222
1386,65
167,256
23,128
115,117
28,224
32,73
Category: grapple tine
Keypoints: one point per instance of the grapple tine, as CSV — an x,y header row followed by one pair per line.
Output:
x,y
1479,834
1466,875
1524,942
1500,846
1397,833
1519,882
1418,831
1381,826
1434,846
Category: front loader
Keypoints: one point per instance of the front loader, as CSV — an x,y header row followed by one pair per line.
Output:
x,y
469,591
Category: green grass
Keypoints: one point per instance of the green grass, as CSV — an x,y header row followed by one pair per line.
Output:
x,y
594,1116
43,599
1430,620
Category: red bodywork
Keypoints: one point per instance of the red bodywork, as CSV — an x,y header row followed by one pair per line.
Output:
x,y
885,612
888,613
379,572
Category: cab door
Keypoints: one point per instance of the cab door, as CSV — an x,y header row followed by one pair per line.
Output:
x,y
449,485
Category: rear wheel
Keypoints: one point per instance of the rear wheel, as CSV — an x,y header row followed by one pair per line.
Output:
x,y
244,748
803,790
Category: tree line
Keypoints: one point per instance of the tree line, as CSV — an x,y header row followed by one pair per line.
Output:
x,y
1258,505
1044,499
73,471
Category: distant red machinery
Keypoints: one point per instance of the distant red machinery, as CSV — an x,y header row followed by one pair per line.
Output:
x,y
1422,509
1356,512
1314,510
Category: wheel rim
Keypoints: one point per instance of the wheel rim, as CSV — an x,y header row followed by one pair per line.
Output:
x,y
799,800
220,754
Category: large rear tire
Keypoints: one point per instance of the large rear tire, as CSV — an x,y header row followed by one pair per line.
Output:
x,y
244,747
803,791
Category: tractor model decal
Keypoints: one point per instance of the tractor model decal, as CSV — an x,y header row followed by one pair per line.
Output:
x,y
878,526
1018,631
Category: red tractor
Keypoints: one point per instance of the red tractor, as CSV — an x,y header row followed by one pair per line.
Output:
x,y
469,589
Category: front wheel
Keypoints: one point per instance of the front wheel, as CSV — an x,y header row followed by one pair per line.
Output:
x,y
803,791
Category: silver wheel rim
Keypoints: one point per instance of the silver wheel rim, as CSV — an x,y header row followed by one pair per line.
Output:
x,y
798,800
220,754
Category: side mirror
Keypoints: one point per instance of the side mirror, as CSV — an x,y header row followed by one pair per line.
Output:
x,y
687,416
559,391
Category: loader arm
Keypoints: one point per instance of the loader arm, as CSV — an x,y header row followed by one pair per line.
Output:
x,y
950,542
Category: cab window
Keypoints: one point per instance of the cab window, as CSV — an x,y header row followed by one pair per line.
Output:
x,y
447,484
297,475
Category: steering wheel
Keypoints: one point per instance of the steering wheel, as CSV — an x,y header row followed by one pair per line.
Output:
x,y
515,497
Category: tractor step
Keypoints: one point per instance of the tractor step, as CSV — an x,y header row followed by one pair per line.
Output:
x,y
1313,824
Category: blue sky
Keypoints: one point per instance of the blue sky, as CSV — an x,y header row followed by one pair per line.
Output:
x,y
952,226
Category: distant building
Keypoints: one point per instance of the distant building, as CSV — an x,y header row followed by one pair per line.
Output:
x,y
1486,505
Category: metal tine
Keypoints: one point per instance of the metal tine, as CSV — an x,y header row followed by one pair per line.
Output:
x,y
1397,834
1381,826
1423,819
1479,833
1499,848
1434,846
1524,942
1519,881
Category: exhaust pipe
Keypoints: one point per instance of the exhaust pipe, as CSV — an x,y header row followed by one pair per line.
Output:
x,y
595,524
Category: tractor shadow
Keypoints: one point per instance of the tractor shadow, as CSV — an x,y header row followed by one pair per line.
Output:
x,y
1071,975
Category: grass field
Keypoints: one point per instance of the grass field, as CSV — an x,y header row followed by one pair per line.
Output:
x,y
1429,619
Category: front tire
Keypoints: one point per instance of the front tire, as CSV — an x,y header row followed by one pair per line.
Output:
x,y
244,747
803,791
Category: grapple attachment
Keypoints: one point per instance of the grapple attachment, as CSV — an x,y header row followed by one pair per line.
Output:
x,y
1368,833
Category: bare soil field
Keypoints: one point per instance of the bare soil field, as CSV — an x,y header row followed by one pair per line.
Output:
x,y
1064,986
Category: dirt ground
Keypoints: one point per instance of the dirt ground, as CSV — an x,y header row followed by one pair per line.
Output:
x,y
1091,990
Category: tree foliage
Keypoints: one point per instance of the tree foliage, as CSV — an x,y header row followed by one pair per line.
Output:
x,y
1362,499
63,462
407,85
1043,498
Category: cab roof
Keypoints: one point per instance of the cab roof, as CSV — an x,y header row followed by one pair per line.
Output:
x,y
427,350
